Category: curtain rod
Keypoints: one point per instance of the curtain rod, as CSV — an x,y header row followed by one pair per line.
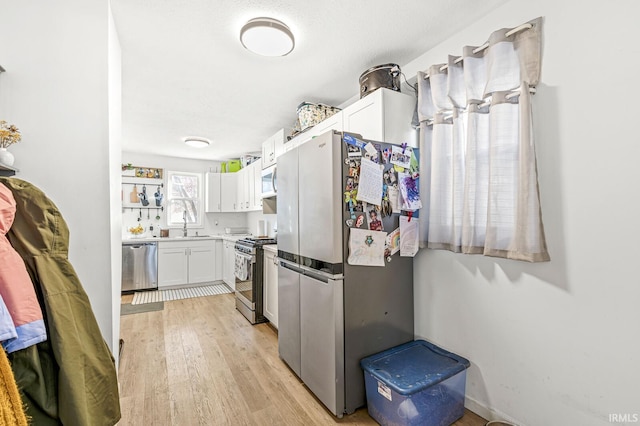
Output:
x,y
484,46
515,92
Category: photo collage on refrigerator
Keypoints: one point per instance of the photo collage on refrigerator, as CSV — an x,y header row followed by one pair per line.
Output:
x,y
383,182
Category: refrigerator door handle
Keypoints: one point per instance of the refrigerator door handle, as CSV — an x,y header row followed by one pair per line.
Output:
x,y
289,265
317,275
320,275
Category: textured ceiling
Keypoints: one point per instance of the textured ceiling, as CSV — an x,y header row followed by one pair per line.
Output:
x,y
185,73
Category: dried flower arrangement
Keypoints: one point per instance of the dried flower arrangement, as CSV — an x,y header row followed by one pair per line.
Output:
x,y
9,134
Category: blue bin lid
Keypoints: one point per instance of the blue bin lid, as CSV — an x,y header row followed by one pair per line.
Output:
x,y
413,366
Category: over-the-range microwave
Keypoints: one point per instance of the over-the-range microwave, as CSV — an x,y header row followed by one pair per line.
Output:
x,y
269,184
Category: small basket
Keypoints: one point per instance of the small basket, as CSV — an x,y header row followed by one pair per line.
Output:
x,y
311,114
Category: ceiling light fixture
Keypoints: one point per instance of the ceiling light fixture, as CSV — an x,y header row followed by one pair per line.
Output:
x,y
197,142
267,37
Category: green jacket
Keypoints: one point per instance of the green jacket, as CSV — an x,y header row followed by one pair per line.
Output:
x,y
71,378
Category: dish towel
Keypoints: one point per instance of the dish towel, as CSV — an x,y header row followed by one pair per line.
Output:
x,y
242,270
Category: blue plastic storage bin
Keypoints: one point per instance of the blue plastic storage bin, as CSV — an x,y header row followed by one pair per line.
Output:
x,y
416,383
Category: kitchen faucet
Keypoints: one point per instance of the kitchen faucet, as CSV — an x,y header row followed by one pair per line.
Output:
x,y
184,228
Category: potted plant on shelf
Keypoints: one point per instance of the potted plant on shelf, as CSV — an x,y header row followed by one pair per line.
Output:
x,y
9,134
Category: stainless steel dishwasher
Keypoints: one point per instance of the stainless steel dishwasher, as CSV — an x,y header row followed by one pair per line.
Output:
x,y
139,266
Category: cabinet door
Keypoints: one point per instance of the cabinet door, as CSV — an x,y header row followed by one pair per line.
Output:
x,y
228,191
212,191
241,189
257,185
364,117
270,287
268,152
202,264
278,144
229,262
218,260
249,187
332,123
172,267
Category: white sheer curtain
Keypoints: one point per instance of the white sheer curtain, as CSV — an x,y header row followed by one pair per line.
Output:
x,y
477,149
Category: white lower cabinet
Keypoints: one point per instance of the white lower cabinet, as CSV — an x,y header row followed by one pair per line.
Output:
x,y
229,264
219,247
186,262
270,306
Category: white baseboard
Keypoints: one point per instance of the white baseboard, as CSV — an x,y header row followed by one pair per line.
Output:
x,y
488,413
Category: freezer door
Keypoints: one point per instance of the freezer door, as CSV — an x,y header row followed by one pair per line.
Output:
x,y
322,340
320,196
287,203
289,315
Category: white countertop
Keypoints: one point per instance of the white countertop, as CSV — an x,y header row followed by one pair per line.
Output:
x,y
271,247
229,237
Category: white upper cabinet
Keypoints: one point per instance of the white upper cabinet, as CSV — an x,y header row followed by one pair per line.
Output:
x,y
235,192
212,202
384,115
229,192
272,148
256,203
242,190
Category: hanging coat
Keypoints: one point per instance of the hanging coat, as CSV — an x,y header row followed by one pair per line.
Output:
x,y
16,288
71,378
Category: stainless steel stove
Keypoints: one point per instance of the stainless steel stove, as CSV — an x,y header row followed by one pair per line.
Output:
x,y
249,277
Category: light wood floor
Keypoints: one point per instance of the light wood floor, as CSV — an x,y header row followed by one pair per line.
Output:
x,y
200,362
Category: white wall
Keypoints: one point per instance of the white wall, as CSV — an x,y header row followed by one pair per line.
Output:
x,y
270,219
556,343
56,91
115,155
214,223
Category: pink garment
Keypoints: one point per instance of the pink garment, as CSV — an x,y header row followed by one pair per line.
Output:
x,y
16,288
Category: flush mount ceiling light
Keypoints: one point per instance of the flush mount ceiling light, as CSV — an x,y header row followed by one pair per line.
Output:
x,y
267,37
197,142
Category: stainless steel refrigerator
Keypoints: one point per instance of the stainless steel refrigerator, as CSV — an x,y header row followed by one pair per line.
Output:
x,y
332,314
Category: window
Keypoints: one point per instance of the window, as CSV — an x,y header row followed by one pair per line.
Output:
x,y
184,199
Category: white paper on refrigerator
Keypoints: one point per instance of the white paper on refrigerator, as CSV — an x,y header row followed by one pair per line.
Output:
x,y
409,236
366,247
370,183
